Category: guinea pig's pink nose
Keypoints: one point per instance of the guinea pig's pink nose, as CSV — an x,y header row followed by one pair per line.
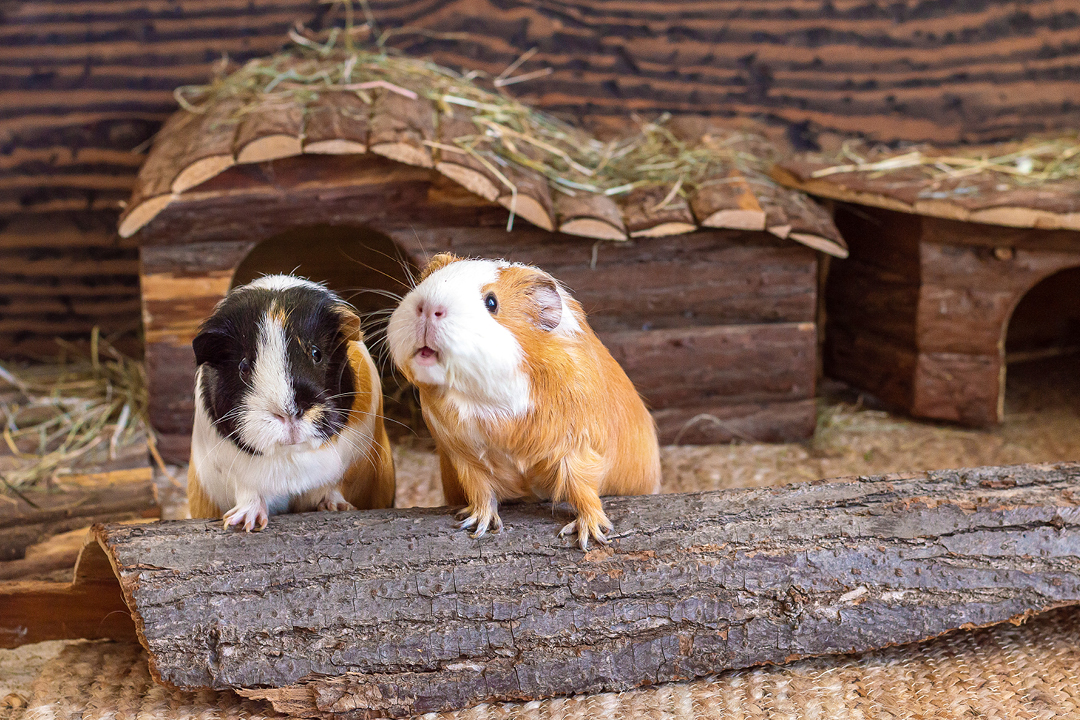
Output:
x,y
431,310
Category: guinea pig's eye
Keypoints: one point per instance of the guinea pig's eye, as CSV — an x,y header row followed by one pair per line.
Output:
x,y
491,303
245,366
316,354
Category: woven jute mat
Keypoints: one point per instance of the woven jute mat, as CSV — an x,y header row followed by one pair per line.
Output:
x,y
1026,671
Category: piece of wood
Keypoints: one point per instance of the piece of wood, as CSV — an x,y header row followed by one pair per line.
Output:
x,y
257,201
724,364
79,500
650,212
90,607
210,146
401,127
532,199
59,552
963,388
396,612
589,215
337,124
270,130
728,202
981,198
456,163
723,422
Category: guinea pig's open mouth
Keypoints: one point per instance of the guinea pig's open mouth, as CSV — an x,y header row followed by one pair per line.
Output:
x,y
426,356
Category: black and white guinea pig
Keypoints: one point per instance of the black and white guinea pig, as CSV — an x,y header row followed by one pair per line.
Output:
x,y
288,408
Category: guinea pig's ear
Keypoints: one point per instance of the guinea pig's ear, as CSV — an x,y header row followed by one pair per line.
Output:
x,y
350,324
547,304
211,346
437,262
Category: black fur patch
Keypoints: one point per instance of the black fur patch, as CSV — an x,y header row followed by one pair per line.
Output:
x,y
226,347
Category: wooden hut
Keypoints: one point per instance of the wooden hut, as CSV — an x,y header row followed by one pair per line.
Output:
x,y
955,269
708,301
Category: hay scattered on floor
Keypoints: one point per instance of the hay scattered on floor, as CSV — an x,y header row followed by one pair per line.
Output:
x,y
79,411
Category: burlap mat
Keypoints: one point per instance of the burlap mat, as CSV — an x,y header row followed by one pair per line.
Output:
x,y
1030,671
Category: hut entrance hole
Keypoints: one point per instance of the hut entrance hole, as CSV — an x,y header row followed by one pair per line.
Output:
x,y
1042,347
364,267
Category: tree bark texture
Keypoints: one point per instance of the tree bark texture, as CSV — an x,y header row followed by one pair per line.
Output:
x,y
368,614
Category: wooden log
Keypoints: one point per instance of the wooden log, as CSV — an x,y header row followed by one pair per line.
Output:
x,y
794,215
958,387
532,199
91,606
724,422
459,165
649,212
210,146
589,215
728,203
401,127
271,130
395,612
58,552
723,364
871,362
255,202
337,123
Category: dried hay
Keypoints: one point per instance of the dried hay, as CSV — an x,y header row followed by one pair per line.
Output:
x,y
1036,160
59,416
509,133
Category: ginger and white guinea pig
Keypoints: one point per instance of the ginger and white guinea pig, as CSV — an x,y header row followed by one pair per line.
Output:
x,y
522,398
288,408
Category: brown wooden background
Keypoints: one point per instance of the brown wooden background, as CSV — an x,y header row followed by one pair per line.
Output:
x,y
84,82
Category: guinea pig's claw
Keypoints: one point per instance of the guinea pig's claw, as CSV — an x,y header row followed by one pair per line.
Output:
x,y
482,521
251,516
586,529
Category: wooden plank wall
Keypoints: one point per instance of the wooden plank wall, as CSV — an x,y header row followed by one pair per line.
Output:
x,y
84,82
60,275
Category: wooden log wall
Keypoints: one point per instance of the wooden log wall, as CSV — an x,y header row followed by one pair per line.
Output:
x,y
85,82
919,312
61,274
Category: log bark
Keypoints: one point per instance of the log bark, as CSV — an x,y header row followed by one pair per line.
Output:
x,y
400,127
369,614
337,124
270,131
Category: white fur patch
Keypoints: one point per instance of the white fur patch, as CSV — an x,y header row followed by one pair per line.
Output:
x,y
569,323
230,476
282,282
480,361
267,418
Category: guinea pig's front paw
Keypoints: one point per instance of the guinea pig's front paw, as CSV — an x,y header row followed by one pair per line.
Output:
x,y
482,519
588,525
334,501
252,515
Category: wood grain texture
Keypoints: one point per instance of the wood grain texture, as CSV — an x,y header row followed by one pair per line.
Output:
x,y
403,614
91,606
62,274
115,495
76,75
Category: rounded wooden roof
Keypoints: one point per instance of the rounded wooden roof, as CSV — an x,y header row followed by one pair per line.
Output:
x,y
967,194
192,148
